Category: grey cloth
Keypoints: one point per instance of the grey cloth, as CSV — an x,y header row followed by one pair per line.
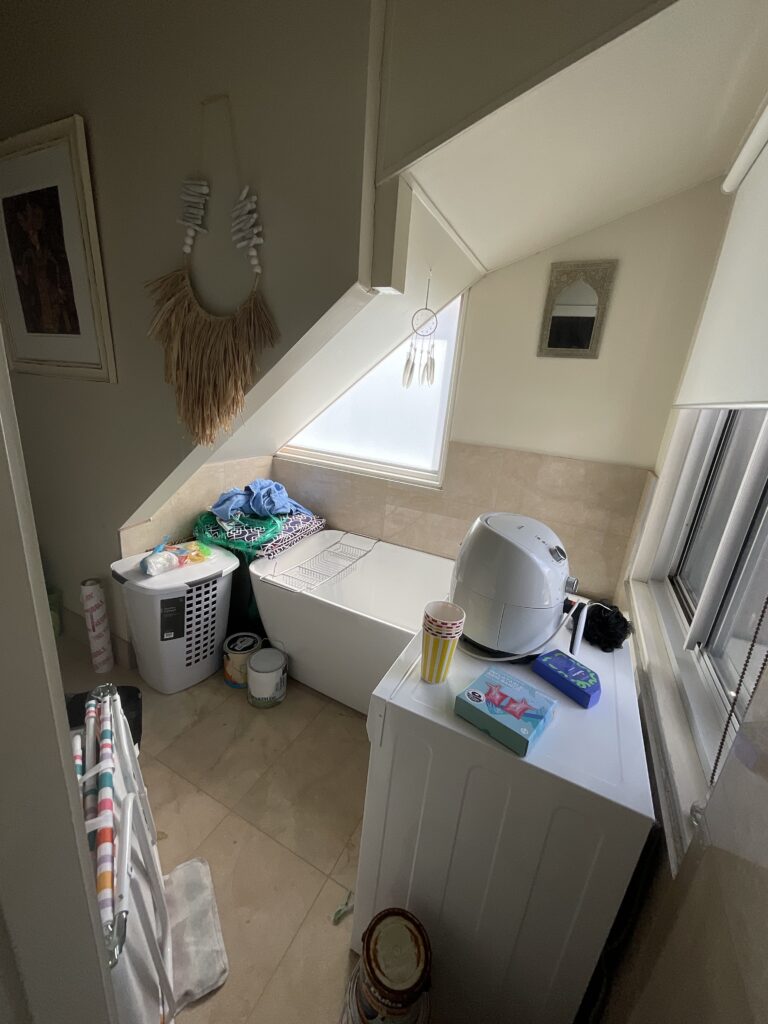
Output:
x,y
200,962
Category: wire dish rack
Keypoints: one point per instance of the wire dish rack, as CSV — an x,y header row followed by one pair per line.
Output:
x,y
333,563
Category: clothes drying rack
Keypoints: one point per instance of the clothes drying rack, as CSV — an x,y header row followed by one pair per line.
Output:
x,y
129,816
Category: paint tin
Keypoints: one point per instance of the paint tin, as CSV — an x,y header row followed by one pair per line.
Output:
x,y
237,650
267,677
390,981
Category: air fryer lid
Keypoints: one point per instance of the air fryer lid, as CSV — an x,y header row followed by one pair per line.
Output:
x,y
513,559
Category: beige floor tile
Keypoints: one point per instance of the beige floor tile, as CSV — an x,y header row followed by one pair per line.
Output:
x,y
263,894
168,715
227,751
345,869
77,671
184,815
312,797
310,983
165,715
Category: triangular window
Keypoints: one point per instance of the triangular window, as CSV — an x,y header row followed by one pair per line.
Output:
x,y
380,427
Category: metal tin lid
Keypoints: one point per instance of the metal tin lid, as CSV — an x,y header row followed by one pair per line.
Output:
x,y
240,643
268,659
396,957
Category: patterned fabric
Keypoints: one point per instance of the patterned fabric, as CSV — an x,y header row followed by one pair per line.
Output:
x,y
257,538
253,530
295,528
105,836
241,533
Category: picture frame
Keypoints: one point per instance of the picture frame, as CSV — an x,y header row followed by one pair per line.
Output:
x,y
577,303
53,300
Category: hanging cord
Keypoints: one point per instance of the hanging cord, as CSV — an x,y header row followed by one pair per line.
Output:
x,y
237,164
740,686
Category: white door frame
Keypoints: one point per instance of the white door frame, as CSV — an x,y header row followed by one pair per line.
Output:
x,y
47,888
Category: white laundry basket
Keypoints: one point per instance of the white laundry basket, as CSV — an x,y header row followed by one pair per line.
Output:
x,y
178,620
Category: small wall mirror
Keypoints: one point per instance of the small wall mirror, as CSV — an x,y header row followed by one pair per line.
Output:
x,y
574,313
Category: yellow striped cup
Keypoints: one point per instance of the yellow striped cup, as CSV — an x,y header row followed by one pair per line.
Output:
x,y
443,625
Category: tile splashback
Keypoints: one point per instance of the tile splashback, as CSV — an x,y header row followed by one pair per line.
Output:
x,y
177,516
592,506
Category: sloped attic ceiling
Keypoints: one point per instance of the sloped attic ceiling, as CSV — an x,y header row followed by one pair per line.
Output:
x,y
658,110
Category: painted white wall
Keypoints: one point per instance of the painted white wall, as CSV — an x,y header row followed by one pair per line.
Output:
x,y
613,408
728,364
447,64
137,73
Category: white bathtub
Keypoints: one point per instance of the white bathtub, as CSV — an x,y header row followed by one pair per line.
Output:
x,y
344,607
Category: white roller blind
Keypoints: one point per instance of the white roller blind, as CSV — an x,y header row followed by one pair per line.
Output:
x,y
728,364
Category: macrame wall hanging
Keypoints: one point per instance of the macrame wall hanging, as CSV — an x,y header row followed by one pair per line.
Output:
x,y
420,360
211,360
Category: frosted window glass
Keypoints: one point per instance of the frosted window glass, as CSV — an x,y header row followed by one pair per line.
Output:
x,y
379,420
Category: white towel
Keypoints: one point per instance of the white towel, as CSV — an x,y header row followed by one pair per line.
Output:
x,y
200,962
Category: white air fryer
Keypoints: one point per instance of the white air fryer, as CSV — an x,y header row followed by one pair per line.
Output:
x,y
511,578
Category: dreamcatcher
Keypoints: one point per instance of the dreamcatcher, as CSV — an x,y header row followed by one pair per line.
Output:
x,y
420,361
211,360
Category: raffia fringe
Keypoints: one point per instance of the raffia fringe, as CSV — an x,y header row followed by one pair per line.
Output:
x,y
211,361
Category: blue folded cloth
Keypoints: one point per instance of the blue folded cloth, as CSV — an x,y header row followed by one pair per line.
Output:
x,y
259,498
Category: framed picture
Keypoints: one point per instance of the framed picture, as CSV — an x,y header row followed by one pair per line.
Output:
x,y
576,307
52,296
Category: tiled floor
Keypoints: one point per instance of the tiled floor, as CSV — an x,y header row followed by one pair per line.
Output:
x,y
273,800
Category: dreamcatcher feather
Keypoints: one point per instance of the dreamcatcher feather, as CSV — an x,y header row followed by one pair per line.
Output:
x,y
211,361
420,359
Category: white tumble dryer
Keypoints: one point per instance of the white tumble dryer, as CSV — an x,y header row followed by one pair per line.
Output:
x,y
343,607
516,866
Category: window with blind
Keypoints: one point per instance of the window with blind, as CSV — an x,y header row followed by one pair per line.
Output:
x,y
710,579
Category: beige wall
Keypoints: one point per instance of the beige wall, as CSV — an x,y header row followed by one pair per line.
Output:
x,y
137,73
446,64
614,408
590,505
13,1004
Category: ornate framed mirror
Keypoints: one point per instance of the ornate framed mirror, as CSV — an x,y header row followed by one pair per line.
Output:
x,y
575,310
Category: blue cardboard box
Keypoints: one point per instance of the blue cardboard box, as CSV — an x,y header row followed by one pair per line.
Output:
x,y
508,709
570,677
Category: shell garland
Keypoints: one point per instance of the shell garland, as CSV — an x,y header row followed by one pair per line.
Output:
x,y
246,228
247,231
194,199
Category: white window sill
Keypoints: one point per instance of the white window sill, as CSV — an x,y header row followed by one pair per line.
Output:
x,y
384,471
678,774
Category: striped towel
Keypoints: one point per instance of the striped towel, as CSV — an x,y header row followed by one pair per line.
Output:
x,y
77,753
105,836
91,795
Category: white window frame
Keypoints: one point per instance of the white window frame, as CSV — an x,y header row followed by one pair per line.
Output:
x,y
686,706
389,470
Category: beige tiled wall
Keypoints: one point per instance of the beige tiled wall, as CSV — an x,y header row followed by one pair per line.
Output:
x,y
177,516
591,505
